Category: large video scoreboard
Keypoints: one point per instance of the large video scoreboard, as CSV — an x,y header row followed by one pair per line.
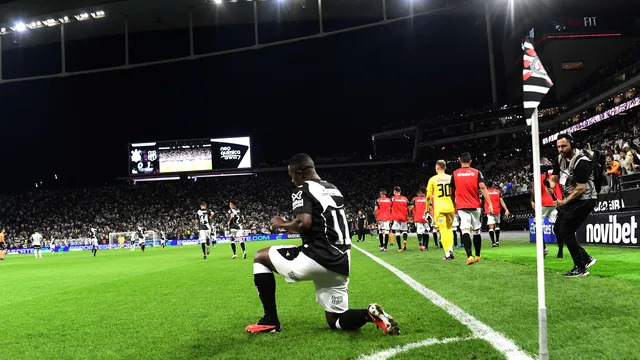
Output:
x,y
179,156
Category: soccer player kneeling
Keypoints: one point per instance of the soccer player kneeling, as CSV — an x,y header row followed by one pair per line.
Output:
x,y
324,257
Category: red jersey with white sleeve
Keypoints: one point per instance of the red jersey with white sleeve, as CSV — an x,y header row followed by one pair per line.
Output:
x,y
547,200
466,182
384,209
419,204
399,211
494,195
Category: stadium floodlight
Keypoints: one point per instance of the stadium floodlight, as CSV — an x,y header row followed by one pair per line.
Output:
x,y
35,25
82,17
64,19
19,27
98,14
51,22
217,2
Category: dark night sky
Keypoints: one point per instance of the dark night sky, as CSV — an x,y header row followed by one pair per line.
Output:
x,y
320,96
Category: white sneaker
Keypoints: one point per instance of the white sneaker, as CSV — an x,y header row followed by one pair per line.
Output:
x,y
381,249
234,256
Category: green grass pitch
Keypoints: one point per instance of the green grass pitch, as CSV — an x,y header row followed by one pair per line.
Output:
x,y
171,304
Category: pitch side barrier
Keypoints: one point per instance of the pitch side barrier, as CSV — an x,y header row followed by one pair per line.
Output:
x,y
221,239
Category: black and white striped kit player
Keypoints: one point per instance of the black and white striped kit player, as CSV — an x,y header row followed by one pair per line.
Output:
x,y
163,239
94,241
324,257
203,219
141,240
36,243
234,219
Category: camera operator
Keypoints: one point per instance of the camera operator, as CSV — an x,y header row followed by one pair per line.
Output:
x,y
574,171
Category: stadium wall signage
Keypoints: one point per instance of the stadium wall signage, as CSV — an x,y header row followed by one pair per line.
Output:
x,y
620,228
61,249
628,199
594,120
547,230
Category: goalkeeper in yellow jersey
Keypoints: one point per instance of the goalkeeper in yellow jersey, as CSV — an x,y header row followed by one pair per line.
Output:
x,y
439,191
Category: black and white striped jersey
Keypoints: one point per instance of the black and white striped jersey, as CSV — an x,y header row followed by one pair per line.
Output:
x,y
141,231
328,241
94,233
233,218
36,239
204,219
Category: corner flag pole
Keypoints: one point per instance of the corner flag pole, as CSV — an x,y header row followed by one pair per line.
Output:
x,y
542,307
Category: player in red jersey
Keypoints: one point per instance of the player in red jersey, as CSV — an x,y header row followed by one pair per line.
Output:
x,y
382,211
493,219
548,197
399,215
466,182
417,208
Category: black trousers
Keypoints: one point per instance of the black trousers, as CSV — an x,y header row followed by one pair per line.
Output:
x,y
569,219
361,233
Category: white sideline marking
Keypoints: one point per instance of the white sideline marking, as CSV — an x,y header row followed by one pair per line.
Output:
x,y
385,354
506,346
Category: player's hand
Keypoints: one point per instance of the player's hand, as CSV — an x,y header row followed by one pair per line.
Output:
x,y
278,221
549,191
491,209
533,205
558,203
507,213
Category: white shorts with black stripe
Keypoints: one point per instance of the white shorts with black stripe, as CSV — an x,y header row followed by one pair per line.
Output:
x,y
422,228
204,235
399,226
331,288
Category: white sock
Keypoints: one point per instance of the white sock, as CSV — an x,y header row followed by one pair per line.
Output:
x,y
338,324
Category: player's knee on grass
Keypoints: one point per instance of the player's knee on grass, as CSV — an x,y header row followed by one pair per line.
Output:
x,y
332,318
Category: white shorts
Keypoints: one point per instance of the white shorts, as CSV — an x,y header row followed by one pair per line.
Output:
x,y
204,235
383,226
470,219
422,228
399,226
456,221
550,212
493,219
331,288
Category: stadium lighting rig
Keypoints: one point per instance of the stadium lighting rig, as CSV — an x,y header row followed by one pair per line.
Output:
x,y
21,26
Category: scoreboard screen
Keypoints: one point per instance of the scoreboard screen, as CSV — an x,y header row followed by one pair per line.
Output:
x,y
167,157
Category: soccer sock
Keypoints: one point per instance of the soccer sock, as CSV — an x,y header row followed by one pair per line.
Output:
x,y
435,239
491,236
243,248
466,241
419,239
497,235
353,319
204,248
266,285
447,239
477,243
233,247
381,237
455,238
398,241
404,236
425,238
386,240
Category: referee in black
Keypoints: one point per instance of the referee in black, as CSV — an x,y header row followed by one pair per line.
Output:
x,y
361,225
574,171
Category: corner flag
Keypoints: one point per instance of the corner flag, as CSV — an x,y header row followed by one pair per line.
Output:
x,y
535,79
536,84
